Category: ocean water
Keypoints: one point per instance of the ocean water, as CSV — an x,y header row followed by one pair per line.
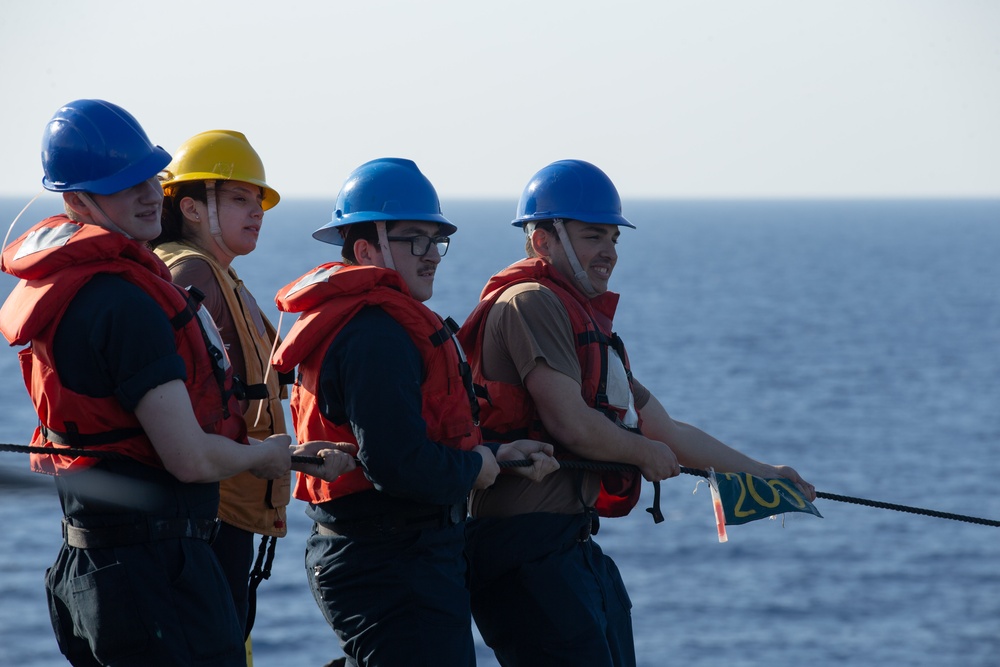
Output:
x,y
858,341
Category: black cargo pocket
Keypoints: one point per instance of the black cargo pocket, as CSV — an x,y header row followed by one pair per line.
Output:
x,y
106,614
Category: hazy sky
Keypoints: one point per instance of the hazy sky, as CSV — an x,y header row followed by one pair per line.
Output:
x,y
739,98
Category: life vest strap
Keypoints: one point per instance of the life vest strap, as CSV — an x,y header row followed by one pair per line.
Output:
x,y
482,392
192,297
73,438
507,436
261,571
251,392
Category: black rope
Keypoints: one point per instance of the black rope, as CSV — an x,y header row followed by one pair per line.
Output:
x,y
906,508
597,466
65,451
602,466
109,456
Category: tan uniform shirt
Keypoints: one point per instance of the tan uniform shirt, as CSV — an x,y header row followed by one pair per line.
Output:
x,y
529,324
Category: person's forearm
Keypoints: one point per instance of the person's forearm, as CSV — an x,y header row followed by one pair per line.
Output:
x,y
590,435
187,452
213,458
695,448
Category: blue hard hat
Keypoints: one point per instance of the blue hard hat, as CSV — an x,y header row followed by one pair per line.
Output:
x,y
570,189
96,146
384,189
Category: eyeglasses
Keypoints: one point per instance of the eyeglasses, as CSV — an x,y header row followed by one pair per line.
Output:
x,y
421,244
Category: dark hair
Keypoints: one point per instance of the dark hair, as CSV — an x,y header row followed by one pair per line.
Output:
x,y
172,220
362,231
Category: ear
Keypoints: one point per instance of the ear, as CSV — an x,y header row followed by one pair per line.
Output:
x,y
74,201
364,252
541,242
189,209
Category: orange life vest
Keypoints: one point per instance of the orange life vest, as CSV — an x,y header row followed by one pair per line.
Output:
x,y
508,411
327,298
54,259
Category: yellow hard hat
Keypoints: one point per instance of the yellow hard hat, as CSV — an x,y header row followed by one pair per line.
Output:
x,y
217,155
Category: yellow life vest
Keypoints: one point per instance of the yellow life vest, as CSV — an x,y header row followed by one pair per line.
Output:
x,y
247,502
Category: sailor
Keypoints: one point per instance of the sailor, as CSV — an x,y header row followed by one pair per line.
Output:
x,y
215,195
124,363
541,343
378,368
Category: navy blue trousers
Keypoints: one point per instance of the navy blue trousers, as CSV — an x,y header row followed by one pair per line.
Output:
x,y
542,596
234,548
398,600
156,604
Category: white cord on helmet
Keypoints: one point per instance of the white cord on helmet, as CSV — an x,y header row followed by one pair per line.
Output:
x,y
102,218
581,276
211,202
383,241
18,217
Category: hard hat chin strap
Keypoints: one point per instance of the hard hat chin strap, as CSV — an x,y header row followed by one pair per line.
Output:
x,y
11,228
581,276
211,202
102,218
383,242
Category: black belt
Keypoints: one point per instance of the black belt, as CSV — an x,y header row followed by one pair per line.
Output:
x,y
150,530
386,525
